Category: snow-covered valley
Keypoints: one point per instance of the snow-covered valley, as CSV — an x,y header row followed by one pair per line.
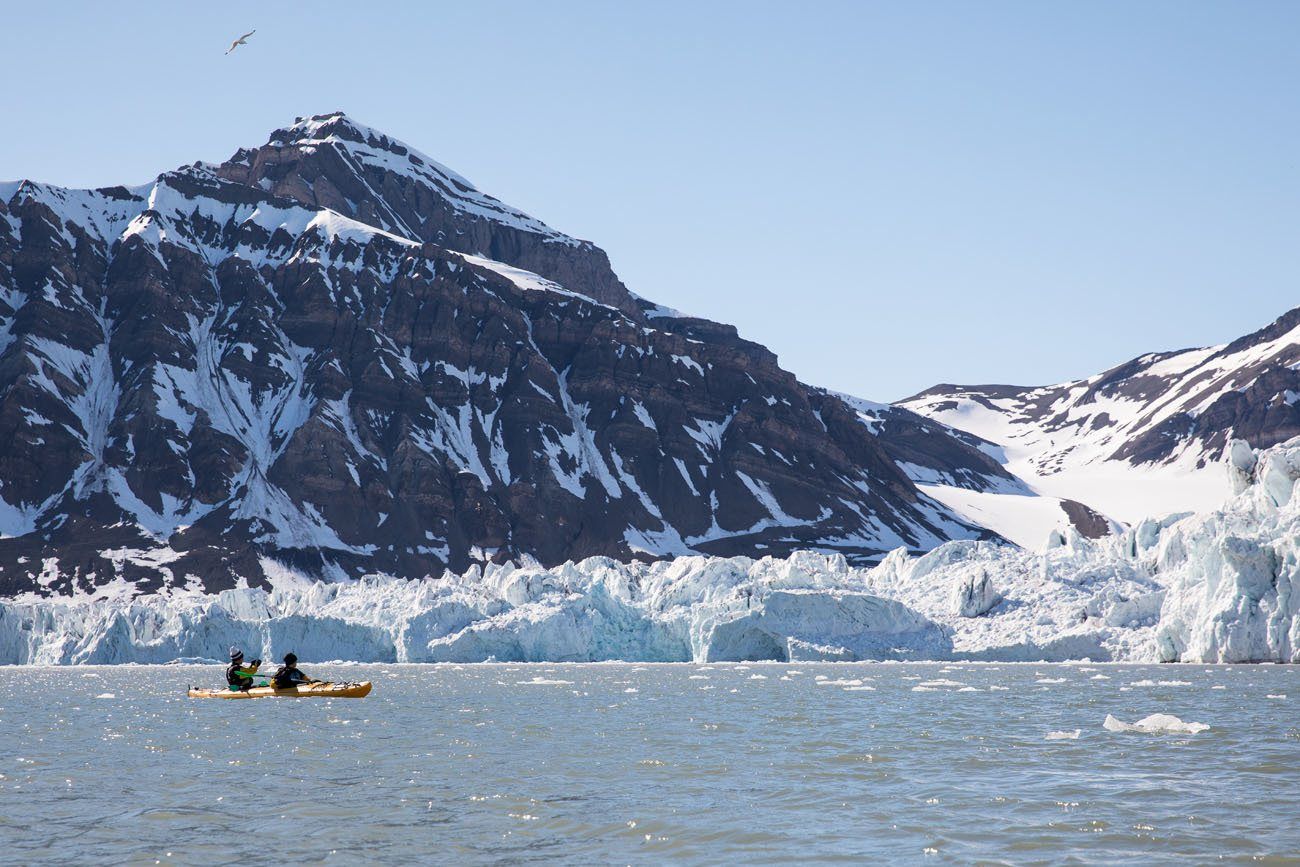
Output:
x,y
1140,439
1206,587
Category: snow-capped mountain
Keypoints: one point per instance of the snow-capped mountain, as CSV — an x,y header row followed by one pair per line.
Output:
x,y
332,353
1140,439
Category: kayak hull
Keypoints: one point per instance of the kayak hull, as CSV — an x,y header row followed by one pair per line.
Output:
x,y
304,690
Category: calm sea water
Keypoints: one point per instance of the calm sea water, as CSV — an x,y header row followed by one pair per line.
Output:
x,y
650,764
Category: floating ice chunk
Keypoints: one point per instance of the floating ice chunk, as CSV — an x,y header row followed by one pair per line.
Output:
x,y
543,681
1157,723
1050,680
942,682
1099,677
1064,736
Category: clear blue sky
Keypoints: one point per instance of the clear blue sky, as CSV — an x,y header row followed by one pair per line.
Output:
x,y
888,195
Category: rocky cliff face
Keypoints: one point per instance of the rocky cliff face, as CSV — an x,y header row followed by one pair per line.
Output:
x,y
332,354
332,162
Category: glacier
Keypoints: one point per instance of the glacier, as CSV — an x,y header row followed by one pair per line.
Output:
x,y
1204,587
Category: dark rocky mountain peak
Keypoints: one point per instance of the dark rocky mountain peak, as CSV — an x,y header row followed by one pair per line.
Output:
x,y
333,355
331,161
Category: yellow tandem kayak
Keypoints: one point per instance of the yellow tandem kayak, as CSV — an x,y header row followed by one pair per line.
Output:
x,y
302,690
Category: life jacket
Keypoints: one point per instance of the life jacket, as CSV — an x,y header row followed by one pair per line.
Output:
x,y
237,676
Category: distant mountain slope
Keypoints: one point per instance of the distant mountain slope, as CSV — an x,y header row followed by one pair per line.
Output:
x,y
1144,437
966,473
332,354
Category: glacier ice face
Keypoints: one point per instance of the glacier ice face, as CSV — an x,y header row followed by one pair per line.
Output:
x,y
1232,572
1081,599
807,606
1210,587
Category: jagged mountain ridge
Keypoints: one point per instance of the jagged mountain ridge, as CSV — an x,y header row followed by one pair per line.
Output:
x,y
1144,437
332,354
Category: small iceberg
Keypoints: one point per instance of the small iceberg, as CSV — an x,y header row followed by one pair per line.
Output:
x,y
543,681
1065,736
1157,723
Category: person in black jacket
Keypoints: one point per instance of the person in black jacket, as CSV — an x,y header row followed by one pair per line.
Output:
x,y
288,675
238,675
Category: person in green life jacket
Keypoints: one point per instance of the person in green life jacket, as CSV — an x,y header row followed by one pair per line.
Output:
x,y
238,675
288,675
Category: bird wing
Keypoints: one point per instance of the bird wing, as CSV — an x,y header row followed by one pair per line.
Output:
x,y
240,41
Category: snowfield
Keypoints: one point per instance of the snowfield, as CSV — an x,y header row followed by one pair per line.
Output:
x,y
1209,587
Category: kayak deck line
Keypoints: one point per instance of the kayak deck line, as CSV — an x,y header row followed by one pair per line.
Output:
x,y
303,690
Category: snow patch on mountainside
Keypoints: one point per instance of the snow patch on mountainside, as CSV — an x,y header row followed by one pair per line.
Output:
x,y
1022,518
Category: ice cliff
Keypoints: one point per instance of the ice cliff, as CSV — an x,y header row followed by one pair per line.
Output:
x,y
1210,587
807,606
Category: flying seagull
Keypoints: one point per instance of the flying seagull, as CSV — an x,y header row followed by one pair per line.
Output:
x,y
243,40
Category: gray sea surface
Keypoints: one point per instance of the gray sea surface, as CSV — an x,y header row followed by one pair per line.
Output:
x,y
651,764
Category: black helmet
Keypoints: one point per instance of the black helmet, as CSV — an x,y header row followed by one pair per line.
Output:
x,y
290,659
236,654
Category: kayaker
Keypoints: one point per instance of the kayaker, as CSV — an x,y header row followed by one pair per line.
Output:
x,y
288,675
238,675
